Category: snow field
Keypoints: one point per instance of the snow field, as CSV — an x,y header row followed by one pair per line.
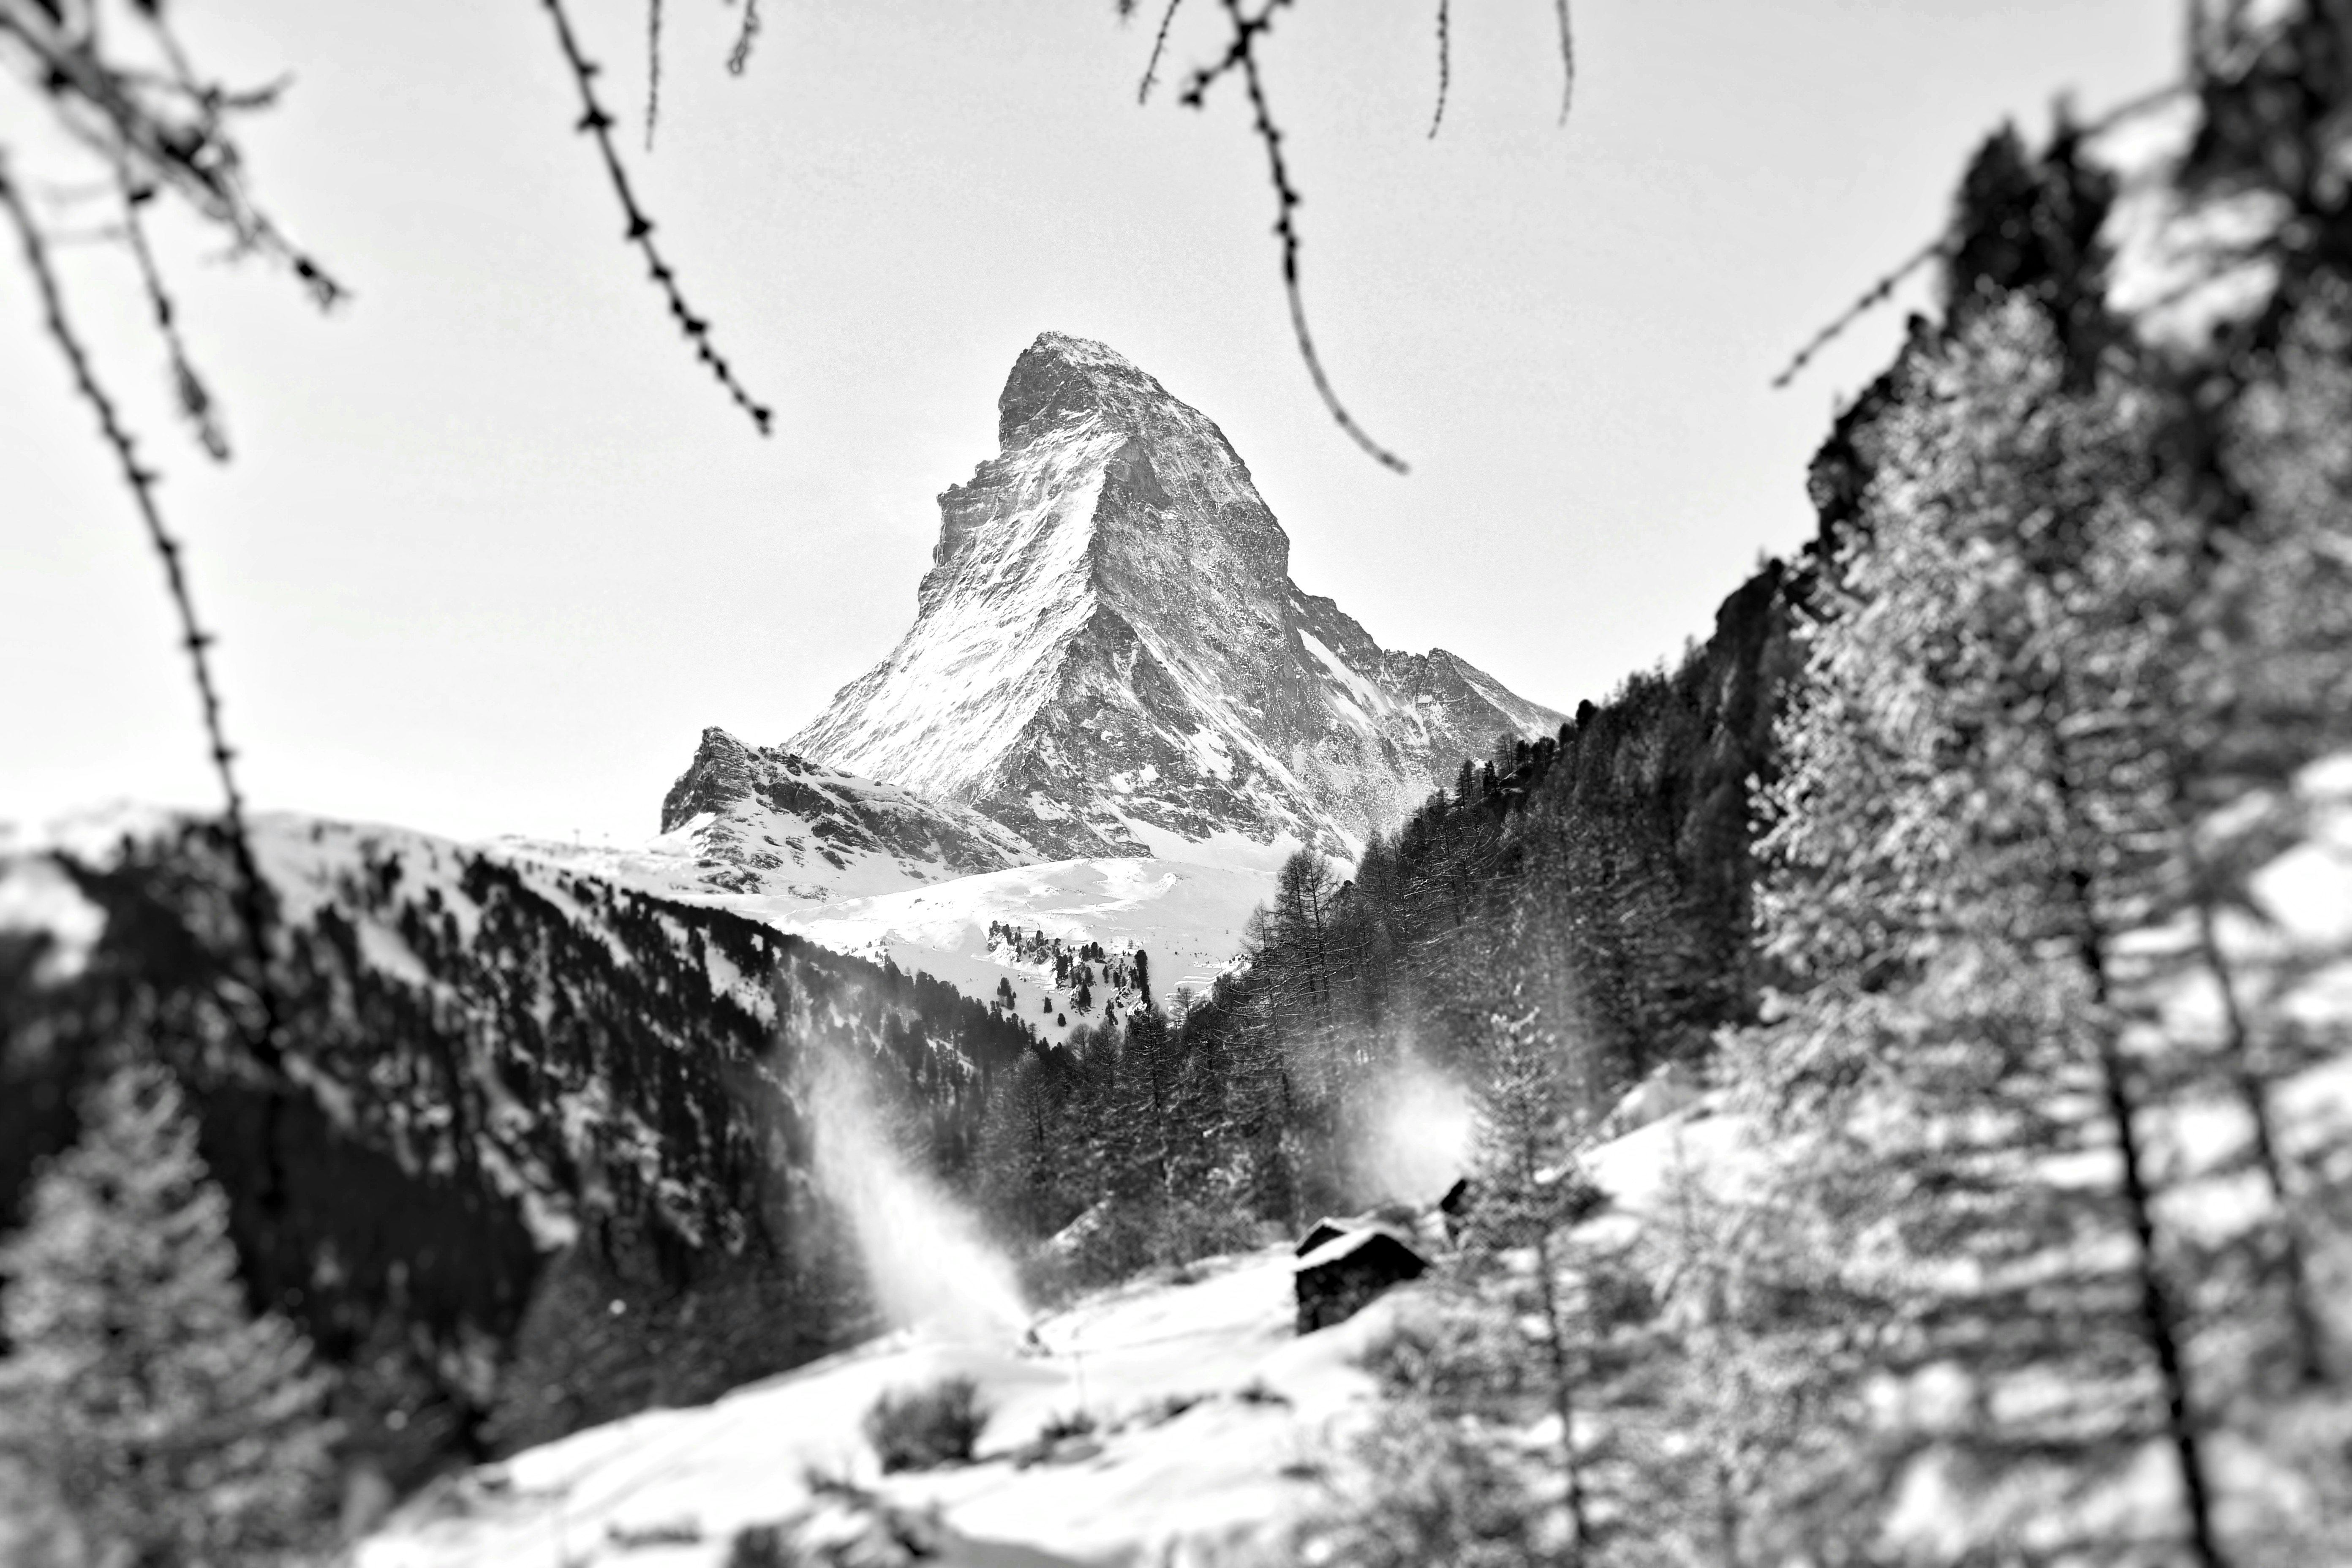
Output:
x,y
1188,919
1254,1408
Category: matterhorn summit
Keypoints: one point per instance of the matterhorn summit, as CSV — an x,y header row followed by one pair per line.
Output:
x,y
1109,656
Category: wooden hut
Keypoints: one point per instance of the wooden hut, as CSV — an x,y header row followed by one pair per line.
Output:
x,y
1453,1208
1342,1274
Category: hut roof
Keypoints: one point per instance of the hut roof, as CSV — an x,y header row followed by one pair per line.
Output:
x,y
1373,1242
1324,1230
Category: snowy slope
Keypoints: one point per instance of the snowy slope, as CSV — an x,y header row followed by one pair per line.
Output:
x,y
1219,1470
1188,917
1108,650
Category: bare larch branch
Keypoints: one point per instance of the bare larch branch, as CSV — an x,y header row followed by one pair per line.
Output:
x,y
653,69
639,231
1878,294
1241,57
1567,61
1444,62
188,388
1159,48
740,55
251,896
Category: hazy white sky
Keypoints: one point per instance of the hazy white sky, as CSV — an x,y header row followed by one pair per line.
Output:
x,y
493,551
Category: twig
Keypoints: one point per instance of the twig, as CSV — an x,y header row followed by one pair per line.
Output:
x,y
1876,295
740,55
653,69
188,388
183,147
1444,62
1159,48
640,229
1240,55
1567,61
2132,108
252,901
1884,290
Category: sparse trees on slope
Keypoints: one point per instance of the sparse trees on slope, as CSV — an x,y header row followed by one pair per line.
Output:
x,y
171,1424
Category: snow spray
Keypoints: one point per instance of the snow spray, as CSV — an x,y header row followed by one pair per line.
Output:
x,y
925,1257
1418,1134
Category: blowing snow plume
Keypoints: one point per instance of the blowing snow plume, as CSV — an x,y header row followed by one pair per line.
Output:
x,y
925,1258
1418,1134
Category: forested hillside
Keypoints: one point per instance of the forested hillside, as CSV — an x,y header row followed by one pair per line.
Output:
x,y
517,1150
1609,874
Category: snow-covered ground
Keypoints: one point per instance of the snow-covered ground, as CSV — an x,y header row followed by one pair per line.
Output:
x,y
1188,917
1214,1419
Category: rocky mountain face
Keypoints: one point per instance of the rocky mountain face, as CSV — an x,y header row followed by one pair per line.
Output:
x,y
764,820
1109,656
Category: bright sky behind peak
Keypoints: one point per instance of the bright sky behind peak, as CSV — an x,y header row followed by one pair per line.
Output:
x,y
493,550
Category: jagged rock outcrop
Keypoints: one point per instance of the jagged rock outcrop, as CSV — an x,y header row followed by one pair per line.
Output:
x,y
1109,655
764,820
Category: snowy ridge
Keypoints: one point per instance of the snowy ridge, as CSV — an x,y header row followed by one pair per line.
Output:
x,y
1188,917
1108,651
756,820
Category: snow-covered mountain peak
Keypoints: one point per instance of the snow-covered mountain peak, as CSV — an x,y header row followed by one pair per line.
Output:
x,y
1109,656
1060,379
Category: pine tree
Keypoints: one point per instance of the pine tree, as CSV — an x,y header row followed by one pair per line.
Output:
x,y
2263,687
172,1423
1745,1401
1973,818
1527,1189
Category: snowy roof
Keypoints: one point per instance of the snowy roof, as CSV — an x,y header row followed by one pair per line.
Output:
x,y
1350,1243
1323,1229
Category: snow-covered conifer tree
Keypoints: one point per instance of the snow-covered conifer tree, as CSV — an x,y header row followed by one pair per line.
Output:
x,y
171,1422
1527,1189
1973,814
